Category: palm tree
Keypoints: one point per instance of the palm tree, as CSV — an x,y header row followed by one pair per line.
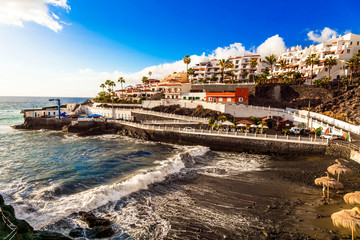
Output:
x,y
121,80
231,75
245,73
353,64
253,63
144,79
191,72
150,73
103,86
187,61
270,60
111,85
224,64
312,60
330,62
283,63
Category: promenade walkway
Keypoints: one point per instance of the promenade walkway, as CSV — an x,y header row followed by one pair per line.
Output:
x,y
228,134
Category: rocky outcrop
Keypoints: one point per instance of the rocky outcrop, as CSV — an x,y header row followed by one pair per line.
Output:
x,y
199,111
345,107
44,123
284,95
98,227
23,229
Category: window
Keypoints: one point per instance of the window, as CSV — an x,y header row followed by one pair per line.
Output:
x,y
351,43
54,113
326,69
357,43
348,51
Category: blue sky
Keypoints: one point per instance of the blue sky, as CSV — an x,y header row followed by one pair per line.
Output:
x,y
70,46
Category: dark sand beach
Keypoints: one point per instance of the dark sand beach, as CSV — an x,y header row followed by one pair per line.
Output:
x,y
278,201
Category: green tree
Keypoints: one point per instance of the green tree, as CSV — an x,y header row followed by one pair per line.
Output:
x,y
270,60
103,86
312,60
224,64
222,118
144,79
187,61
191,72
253,64
231,75
353,64
245,73
283,63
330,62
121,80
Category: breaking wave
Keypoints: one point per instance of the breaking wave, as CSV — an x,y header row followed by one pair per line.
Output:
x,y
42,207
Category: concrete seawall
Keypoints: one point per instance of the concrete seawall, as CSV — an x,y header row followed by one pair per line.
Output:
x,y
220,143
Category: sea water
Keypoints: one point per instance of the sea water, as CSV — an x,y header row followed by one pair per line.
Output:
x,y
49,176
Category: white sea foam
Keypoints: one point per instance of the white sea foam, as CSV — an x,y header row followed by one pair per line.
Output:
x,y
233,164
4,129
50,211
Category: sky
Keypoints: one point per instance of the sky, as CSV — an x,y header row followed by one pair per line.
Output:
x,y
69,47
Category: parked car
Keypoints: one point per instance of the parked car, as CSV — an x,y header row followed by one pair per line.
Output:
x,y
330,136
187,128
295,130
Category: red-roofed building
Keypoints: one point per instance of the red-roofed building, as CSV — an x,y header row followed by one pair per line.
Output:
x,y
241,95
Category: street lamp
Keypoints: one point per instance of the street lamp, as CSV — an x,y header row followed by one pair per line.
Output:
x,y
58,100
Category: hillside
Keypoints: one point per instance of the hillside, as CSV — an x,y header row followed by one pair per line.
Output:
x,y
343,106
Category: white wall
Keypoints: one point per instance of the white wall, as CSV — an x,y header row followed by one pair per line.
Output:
x,y
108,112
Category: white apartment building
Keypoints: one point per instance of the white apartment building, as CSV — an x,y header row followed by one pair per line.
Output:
x,y
211,69
342,48
139,90
173,89
242,65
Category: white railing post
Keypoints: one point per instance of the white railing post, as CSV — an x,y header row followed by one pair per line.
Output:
x,y
287,137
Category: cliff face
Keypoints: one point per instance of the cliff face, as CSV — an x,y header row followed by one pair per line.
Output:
x,y
345,107
23,229
295,96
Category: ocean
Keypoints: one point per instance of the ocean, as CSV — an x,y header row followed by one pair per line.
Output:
x,y
141,186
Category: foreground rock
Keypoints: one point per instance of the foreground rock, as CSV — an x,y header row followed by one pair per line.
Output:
x,y
24,230
98,227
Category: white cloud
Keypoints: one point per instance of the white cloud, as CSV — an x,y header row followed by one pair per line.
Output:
x,y
55,16
16,12
325,34
86,71
273,45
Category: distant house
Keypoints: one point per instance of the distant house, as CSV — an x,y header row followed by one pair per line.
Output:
x,y
285,124
271,123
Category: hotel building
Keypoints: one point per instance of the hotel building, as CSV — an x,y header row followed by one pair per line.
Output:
x,y
342,48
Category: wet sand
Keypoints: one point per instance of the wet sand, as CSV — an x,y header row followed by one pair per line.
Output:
x,y
280,201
